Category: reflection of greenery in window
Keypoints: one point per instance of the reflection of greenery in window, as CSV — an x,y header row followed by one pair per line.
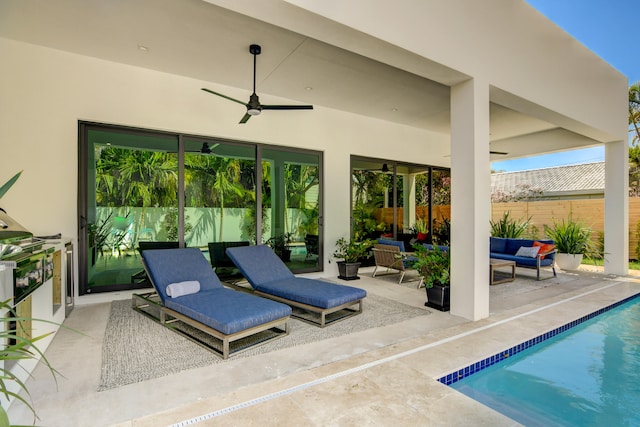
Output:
x,y
368,194
135,178
441,188
299,181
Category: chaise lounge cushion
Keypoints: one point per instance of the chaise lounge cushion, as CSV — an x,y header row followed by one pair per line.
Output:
x,y
269,275
222,309
312,292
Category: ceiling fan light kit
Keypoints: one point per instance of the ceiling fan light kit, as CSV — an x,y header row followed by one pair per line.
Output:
x,y
254,108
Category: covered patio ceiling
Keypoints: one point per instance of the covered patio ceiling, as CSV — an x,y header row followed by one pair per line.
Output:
x,y
338,67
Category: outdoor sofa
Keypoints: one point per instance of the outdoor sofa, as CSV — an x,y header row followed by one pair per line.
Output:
x,y
271,278
225,314
507,249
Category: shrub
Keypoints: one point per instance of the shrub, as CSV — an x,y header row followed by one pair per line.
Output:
x,y
507,227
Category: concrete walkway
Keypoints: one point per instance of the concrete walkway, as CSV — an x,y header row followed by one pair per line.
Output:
x,y
383,376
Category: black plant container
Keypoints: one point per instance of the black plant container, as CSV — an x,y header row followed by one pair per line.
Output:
x,y
438,297
348,270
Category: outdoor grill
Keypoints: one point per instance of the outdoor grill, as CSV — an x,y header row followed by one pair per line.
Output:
x,y
25,262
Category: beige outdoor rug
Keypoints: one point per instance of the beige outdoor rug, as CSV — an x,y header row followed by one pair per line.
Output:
x,y
136,348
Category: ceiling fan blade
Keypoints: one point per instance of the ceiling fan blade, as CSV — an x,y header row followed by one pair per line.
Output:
x,y
500,153
224,96
246,117
287,107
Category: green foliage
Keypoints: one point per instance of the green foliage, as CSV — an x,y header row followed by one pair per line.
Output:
x,y
434,265
508,227
279,243
421,226
441,188
352,251
17,347
7,185
634,111
364,223
442,232
571,237
171,224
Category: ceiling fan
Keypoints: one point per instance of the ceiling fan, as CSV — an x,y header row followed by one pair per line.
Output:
x,y
254,107
384,169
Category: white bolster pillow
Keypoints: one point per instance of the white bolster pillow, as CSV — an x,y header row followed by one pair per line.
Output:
x,y
179,289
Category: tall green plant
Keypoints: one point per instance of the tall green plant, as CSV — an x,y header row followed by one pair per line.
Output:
x,y
508,227
570,236
434,265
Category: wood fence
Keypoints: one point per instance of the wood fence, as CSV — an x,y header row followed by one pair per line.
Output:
x,y
589,211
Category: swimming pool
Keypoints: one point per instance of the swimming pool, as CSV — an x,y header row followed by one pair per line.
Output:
x,y
586,373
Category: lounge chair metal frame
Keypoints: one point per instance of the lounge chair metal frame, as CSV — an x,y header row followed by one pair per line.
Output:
x,y
322,312
144,303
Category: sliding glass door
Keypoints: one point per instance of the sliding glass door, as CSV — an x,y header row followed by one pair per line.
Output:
x,y
399,200
157,189
291,199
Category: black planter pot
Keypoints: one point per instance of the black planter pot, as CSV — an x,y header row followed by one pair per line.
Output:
x,y
348,270
438,297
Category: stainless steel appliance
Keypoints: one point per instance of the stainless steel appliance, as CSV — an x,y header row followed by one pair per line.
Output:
x,y
26,256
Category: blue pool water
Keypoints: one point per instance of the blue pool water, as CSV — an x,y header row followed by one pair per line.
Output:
x,y
588,375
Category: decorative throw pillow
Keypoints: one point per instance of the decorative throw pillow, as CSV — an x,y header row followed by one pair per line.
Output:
x,y
529,252
544,247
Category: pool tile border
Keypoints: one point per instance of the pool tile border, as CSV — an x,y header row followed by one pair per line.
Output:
x,y
460,374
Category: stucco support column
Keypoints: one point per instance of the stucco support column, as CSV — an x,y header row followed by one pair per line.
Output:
x,y
616,208
470,199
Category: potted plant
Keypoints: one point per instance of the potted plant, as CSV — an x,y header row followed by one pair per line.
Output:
x,y
572,240
280,245
350,252
434,266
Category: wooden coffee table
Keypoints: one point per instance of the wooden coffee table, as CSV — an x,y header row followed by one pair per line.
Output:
x,y
501,263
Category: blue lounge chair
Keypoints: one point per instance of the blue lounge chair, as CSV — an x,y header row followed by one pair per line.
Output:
x,y
225,314
271,278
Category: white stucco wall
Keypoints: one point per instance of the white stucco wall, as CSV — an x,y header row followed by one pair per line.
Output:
x,y
45,92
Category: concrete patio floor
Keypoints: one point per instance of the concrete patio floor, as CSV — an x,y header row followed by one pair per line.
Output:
x,y
381,376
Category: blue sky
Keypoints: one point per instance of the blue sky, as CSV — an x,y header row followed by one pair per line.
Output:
x,y
607,27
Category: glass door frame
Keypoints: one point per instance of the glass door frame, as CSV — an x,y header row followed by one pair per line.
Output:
x,y
83,191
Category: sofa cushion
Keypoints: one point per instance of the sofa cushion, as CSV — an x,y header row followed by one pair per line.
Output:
x,y
528,251
397,243
430,247
522,261
497,244
514,244
544,247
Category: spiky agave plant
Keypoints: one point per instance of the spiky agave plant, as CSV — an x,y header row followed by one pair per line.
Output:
x,y
570,237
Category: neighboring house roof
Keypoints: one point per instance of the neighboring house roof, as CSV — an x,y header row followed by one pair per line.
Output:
x,y
583,180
